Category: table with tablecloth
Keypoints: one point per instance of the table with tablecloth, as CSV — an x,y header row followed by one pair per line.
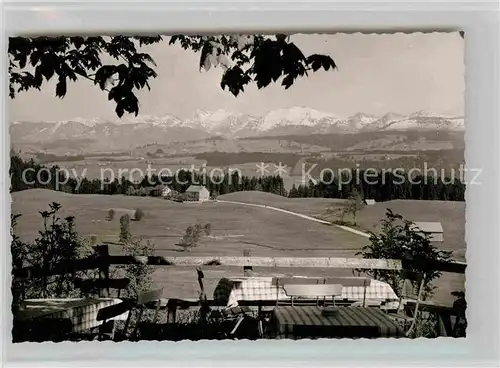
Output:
x,y
311,322
231,290
82,313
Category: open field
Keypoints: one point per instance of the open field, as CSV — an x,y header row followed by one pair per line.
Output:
x,y
307,206
259,230
451,214
234,228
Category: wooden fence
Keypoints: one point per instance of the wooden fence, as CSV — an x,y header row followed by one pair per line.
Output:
x,y
102,260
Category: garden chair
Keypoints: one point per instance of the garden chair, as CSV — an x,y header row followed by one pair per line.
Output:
x,y
351,282
282,282
313,291
141,303
408,319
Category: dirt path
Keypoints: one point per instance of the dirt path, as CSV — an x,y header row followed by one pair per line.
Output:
x,y
345,228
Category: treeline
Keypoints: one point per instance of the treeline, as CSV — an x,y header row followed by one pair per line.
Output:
x,y
217,185
383,187
379,186
29,174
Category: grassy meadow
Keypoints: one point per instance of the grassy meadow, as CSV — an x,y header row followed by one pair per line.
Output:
x,y
236,228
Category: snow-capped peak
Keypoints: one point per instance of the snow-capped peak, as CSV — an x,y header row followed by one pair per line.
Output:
x,y
279,121
295,116
425,114
88,122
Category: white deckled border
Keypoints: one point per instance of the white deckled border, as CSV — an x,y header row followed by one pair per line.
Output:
x,y
482,118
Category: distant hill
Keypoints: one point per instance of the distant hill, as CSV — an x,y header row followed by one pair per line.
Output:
x,y
98,134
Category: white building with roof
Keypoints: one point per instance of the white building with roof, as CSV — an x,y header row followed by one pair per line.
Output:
x,y
434,229
197,193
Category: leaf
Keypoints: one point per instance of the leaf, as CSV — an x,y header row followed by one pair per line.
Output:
x,y
294,52
47,71
328,63
206,51
235,79
317,61
119,110
78,41
287,81
113,93
173,40
103,74
38,76
61,87
316,65
22,61
34,58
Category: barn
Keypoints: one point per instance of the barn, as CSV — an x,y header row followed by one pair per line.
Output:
x,y
434,229
197,193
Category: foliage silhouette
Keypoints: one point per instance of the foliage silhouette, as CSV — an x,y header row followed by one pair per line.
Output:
x,y
125,228
192,236
244,59
382,187
138,214
354,205
400,239
58,241
111,215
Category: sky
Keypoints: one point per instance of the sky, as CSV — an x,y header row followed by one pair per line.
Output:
x,y
376,74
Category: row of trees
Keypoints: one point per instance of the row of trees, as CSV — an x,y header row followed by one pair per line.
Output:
x,y
383,187
29,174
379,186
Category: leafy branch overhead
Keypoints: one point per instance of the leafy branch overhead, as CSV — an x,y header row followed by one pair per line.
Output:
x,y
244,60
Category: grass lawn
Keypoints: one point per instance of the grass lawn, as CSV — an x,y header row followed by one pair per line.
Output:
x,y
307,206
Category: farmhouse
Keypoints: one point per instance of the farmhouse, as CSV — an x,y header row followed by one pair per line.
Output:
x,y
197,193
435,230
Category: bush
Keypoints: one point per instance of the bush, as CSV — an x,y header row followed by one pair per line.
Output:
x,y
57,242
111,215
140,275
400,240
124,228
139,214
191,237
208,229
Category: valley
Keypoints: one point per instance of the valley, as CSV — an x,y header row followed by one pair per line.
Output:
x,y
224,141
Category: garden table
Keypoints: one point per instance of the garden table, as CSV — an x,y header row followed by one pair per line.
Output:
x,y
345,322
80,312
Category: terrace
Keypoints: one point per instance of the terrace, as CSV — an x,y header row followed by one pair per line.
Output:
x,y
246,306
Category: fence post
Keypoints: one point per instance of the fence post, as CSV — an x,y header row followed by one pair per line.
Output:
x,y
171,310
247,270
204,308
103,253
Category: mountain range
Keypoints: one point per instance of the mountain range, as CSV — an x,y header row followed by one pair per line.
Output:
x,y
132,132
